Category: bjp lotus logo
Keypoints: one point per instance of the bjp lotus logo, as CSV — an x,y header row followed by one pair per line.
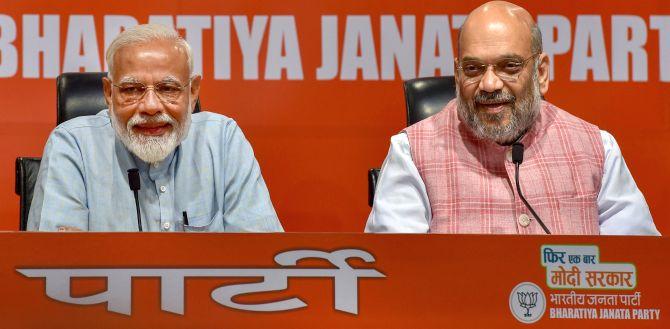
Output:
x,y
527,302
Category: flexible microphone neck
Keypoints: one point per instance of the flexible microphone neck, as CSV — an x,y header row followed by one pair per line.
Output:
x,y
134,183
517,158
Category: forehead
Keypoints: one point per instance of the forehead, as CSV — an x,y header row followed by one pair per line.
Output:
x,y
151,62
495,38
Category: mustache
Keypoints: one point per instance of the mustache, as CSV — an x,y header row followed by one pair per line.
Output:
x,y
160,119
498,96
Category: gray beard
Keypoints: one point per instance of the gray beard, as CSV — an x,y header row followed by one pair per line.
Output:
x,y
151,149
488,126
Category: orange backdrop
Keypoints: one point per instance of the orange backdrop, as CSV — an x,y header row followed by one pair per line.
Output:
x,y
315,139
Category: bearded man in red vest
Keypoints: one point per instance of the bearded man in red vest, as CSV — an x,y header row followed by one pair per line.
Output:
x,y
453,172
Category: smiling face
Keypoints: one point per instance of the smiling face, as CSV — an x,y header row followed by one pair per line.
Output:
x,y
501,103
151,124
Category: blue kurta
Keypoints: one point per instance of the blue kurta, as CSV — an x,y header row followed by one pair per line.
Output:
x,y
213,176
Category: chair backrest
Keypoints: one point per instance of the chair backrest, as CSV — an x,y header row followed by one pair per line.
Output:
x,y
423,98
80,94
26,176
427,96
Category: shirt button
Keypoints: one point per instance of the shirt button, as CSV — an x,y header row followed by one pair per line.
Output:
x,y
163,189
166,226
524,220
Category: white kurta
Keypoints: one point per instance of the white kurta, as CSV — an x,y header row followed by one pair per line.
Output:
x,y
401,202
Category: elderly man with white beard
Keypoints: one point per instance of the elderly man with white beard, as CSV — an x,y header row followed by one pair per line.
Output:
x,y
454,172
197,171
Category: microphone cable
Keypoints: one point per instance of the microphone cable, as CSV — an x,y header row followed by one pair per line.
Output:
x,y
517,158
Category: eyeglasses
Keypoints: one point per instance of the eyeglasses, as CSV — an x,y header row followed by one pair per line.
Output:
x,y
167,92
507,69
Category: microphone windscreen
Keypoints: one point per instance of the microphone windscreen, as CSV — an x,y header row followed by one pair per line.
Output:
x,y
134,179
517,153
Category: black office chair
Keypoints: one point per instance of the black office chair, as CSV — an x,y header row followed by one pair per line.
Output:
x,y
427,96
423,98
77,94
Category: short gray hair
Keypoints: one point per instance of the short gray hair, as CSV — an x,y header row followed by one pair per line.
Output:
x,y
145,33
535,39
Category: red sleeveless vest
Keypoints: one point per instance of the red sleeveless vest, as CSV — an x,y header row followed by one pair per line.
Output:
x,y
471,186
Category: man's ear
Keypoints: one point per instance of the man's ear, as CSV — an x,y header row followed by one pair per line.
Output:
x,y
107,90
543,73
195,90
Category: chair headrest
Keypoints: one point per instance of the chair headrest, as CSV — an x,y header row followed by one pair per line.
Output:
x,y
427,96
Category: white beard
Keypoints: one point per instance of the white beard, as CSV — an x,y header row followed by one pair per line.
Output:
x,y
151,149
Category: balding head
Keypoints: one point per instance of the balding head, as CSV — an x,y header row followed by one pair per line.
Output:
x,y
496,16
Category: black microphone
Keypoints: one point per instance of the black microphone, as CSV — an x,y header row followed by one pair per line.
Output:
x,y
134,182
517,158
